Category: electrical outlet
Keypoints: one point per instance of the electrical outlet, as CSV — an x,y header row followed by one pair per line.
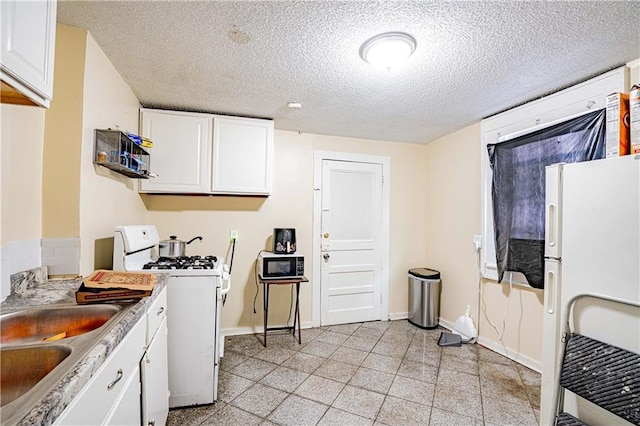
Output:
x,y
233,235
477,242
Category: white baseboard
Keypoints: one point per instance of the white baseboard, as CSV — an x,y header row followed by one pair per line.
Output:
x,y
511,354
446,324
500,349
237,331
398,316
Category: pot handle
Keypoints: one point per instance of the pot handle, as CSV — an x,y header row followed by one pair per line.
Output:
x,y
194,238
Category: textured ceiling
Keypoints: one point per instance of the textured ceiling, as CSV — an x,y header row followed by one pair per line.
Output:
x,y
250,58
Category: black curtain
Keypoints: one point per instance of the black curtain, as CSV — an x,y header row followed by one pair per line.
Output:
x,y
518,188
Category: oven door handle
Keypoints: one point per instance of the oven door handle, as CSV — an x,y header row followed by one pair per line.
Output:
x,y
226,282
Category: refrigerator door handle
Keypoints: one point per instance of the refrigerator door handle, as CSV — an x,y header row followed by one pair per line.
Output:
x,y
552,221
551,292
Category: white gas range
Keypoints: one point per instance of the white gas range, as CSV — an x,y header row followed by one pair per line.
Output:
x,y
195,291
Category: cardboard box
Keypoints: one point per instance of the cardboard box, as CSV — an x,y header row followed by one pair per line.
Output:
x,y
617,125
104,279
634,112
86,295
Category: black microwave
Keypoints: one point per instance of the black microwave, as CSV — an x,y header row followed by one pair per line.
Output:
x,y
275,265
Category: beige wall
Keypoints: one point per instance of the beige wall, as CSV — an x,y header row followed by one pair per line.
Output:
x,y
82,199
63,130
106,198
291,205
454,188
22,139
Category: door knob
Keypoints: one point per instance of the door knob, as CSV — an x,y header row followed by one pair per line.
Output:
x,y
326,256
326,235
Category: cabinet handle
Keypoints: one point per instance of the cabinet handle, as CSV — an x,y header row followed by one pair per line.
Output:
x,y
118,377
152,422
160,311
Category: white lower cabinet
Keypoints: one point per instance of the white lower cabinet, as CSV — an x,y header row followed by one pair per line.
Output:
x,y
126,410
103,397
155,376
195,153
131,387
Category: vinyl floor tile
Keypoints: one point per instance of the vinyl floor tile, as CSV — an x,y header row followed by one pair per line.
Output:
x,y
384,363
259,400
381,373
349,355
336,370
395,411
413,390
359,401
297,411
231,416
459,380
335,417
463,403
253,369
320,389
230,386
373,380
304,362
193,415
284,379
446,418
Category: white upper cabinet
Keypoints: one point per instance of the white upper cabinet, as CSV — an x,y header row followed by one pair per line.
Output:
x,y
28,42
208,154
181,153
242,156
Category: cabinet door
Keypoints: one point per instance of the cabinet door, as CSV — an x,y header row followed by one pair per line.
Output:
x,y
155,379
28,41
242,157
126,410
95,403
181,153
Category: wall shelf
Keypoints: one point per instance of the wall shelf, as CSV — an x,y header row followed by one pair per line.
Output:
x,y
114,150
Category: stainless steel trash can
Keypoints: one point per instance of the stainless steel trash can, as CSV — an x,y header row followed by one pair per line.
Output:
x,y
424,297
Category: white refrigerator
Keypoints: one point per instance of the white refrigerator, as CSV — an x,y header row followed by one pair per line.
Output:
x,y
592,245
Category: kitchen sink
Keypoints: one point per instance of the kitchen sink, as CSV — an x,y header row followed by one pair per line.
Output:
x,y
41,345
22,367
53,323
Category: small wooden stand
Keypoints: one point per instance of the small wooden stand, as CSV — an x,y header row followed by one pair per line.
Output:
x,y
266,283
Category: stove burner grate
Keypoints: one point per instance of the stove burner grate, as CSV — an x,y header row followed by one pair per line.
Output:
x,y
183,262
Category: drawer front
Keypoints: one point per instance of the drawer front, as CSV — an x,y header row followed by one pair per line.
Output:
x,y
156,313
93,403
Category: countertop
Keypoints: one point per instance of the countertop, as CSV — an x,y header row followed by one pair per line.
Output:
x,y
44,411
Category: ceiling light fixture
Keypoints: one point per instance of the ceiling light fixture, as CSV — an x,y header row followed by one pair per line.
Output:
x,y
388,50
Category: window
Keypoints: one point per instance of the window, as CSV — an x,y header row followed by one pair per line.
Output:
x,y
528,118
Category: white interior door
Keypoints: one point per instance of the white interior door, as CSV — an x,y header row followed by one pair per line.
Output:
x,y
351,223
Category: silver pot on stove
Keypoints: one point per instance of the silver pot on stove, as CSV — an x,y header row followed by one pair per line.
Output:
x,y
173,247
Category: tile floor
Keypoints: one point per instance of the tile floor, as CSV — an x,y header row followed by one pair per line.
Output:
x,y
382,373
